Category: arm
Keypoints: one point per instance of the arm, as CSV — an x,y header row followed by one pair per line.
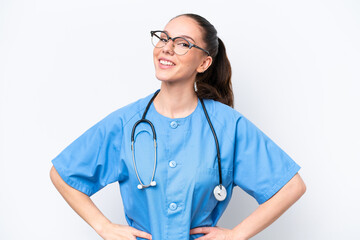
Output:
x,y
80,202
86,209
271,210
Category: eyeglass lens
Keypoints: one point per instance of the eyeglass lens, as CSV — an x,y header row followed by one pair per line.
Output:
x,y
181,45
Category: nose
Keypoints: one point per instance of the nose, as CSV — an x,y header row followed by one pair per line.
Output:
x,y
169,47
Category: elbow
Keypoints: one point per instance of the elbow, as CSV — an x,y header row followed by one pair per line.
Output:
x,y
303,188
52,169
53,175
56,179
300,186
296,187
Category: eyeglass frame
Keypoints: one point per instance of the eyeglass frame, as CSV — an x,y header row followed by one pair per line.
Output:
x,y
173,39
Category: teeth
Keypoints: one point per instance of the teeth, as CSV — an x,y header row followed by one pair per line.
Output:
x,y
166,63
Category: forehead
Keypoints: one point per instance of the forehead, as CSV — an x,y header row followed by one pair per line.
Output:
x,y
184,26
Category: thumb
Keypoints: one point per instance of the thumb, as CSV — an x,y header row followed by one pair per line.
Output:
x,y
141,234
200,230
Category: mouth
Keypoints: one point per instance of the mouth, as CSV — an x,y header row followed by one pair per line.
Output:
x,y
165,63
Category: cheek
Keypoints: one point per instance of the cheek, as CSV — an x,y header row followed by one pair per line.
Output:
x,y
155,53
191,63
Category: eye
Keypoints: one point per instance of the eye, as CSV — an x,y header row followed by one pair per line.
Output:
x,y
163,37
184,45
180,42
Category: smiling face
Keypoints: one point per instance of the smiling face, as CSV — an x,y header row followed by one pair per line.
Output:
x,y
171,67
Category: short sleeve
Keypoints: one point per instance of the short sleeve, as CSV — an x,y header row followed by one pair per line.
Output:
x,y
261,167
92,160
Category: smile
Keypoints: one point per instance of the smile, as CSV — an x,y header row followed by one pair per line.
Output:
x,y
167,63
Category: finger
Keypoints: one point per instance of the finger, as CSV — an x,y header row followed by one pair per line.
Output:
x,y
142,234
205,237
200,230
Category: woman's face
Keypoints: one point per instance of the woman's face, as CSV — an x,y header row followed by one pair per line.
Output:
x,y
184,67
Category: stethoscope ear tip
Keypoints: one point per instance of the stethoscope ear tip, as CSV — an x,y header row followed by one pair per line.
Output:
x,y
219,190
140,186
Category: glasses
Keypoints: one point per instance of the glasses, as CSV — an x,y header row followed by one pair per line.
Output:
x,y
181,45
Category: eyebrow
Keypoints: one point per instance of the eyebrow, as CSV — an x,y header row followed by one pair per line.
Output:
x,y
186,36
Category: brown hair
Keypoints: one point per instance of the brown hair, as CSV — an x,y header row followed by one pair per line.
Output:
x,y
215,82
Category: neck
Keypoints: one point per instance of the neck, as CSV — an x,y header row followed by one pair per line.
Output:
x,y
175,101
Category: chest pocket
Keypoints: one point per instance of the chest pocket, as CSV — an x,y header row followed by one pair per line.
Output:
x,y
205,181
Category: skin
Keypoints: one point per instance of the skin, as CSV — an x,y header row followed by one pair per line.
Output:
x,y
177,99
262,217
87,210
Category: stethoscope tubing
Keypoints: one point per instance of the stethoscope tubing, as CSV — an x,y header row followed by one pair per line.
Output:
x,y
133,143
216,141
153,183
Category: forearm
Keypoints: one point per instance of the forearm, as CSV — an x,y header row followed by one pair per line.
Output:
x,y
79,202
271,210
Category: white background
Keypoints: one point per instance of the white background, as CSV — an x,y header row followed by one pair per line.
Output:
x,y
64,65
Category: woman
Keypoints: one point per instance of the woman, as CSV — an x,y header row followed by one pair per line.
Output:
x,y
169,178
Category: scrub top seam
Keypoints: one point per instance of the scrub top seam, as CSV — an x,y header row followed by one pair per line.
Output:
x,y
183,198
115,177
213,116
137,102
291,171
142,109
82,187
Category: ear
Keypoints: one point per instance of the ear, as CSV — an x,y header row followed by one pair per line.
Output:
x,y
204,65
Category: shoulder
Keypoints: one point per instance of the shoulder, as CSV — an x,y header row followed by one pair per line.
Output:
x,y
125,113
224,118
233,118
222,112
233,122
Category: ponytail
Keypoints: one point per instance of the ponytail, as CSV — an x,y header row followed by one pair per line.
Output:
x,y
215,82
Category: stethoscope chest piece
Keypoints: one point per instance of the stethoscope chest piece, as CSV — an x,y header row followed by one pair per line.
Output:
x,y
220,192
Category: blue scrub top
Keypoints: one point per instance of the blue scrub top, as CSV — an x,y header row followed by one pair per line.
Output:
x,y
187,167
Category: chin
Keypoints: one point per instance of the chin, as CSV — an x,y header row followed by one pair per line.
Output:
x,y
164,77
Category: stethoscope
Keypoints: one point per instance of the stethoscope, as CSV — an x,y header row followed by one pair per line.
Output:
x,y
219,190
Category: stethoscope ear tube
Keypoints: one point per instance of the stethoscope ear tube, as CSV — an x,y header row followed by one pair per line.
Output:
x,y
216,141
149,103
145,120
137,123
152,182
219,190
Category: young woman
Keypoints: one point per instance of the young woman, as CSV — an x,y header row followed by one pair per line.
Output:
x,y
178,152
